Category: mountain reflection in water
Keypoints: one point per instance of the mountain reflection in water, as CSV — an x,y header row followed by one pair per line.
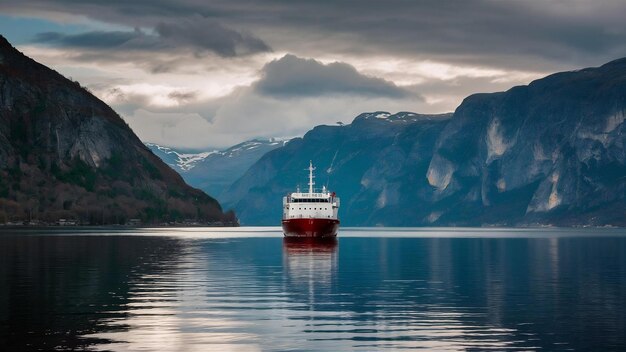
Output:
x,y
172,292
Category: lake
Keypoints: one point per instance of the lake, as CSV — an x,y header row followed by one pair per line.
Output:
x,y
246,289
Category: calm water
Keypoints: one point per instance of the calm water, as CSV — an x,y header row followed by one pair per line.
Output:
x,y
374,289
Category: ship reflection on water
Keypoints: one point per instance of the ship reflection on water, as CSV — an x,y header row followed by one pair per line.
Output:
x,y
310,246
310,264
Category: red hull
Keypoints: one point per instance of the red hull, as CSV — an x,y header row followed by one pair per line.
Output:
x,y
312,228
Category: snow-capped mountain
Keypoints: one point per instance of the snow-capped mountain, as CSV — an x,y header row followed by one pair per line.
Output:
x,y
215,170
400,117
183,161
179,161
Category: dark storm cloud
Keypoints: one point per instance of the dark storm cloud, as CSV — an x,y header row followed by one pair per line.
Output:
x,y
207,34
297,77
523,34
196,33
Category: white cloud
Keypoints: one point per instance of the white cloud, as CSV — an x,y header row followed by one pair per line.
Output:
x,y
213,102
245,115
250,112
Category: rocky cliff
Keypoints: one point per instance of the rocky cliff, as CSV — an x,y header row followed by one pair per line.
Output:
x,y
66,154
550,153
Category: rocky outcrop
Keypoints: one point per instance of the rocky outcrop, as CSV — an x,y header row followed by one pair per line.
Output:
x,y
66,154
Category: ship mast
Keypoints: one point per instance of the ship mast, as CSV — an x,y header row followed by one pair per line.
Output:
x,y
311,183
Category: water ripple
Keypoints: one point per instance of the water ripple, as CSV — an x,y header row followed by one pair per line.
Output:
x,y
171,293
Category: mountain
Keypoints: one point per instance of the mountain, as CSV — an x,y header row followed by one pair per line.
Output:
x,y
549,153
373,163
552,152
214,171
66,154
177,159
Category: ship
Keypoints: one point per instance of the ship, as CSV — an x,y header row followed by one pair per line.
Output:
x,y
311,214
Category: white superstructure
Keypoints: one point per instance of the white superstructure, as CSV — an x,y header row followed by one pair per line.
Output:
x,y
311,205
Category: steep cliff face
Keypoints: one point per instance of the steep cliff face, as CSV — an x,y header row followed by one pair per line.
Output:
x,y
66,154
374,163
552,152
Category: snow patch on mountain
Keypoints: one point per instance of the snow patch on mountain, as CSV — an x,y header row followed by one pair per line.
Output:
x,y
188,161
250,145
182,161
399,117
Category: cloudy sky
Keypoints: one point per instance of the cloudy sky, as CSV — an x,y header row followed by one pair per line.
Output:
x,y
197,73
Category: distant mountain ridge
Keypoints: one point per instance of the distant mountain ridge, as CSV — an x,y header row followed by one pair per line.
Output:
x,y
215,170
65,154
550,153
399,117
178,160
